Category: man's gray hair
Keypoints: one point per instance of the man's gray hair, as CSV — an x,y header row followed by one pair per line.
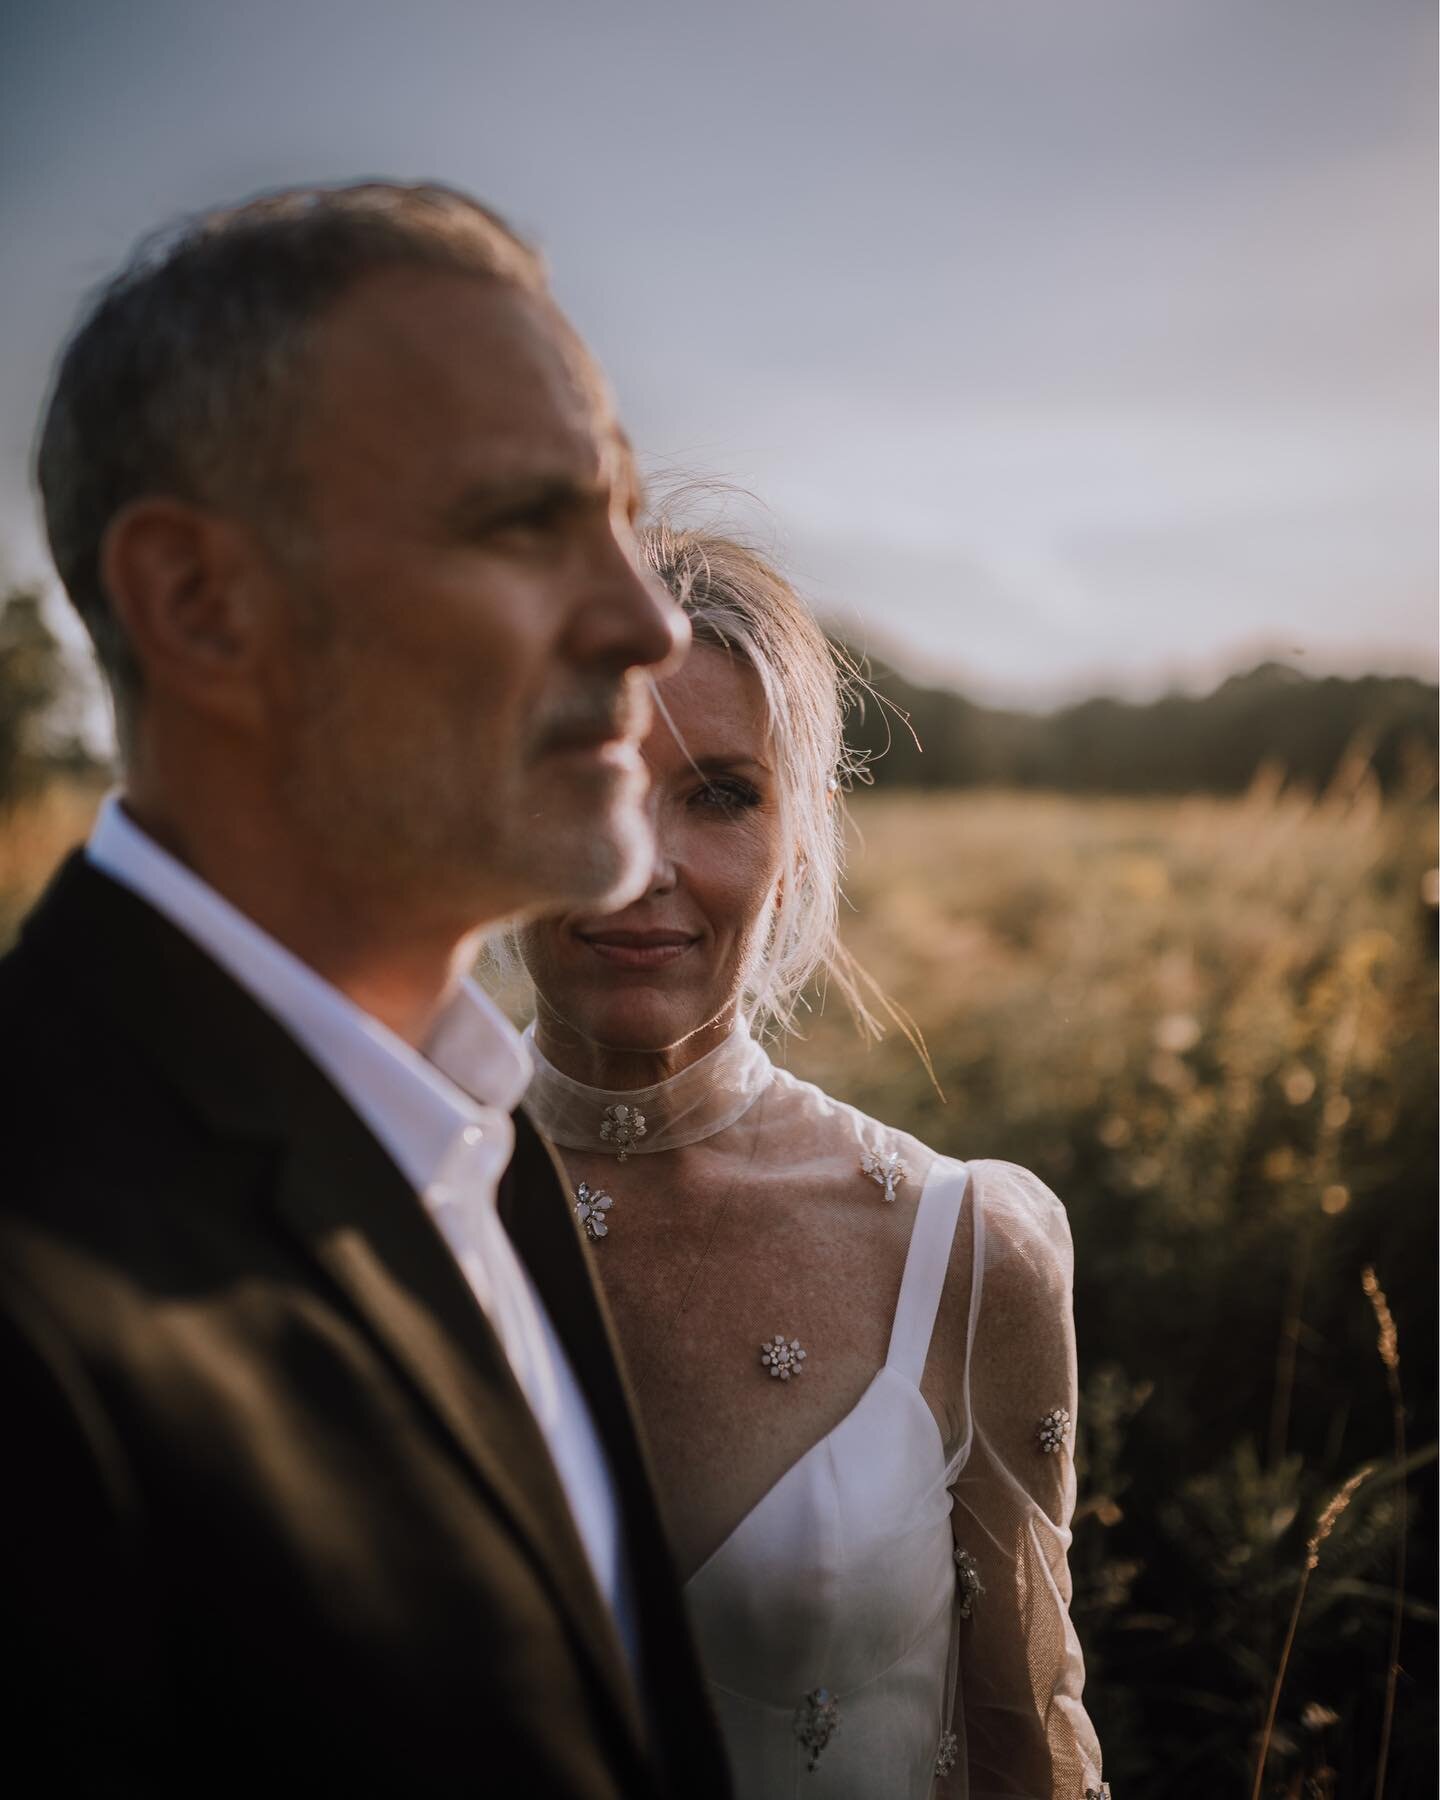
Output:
x,y
184,375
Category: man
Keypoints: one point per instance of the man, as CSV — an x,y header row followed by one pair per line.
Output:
x,y
312,1481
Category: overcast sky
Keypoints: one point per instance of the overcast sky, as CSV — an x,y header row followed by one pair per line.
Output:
x,y
1070,343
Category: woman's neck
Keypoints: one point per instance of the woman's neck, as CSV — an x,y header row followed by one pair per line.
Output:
x,y
622,1069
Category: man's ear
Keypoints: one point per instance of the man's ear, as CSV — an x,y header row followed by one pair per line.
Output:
x,y
189,594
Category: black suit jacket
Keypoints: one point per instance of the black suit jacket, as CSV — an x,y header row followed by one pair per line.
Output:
x,y
276,1514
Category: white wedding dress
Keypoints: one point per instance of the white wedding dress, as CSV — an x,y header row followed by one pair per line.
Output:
x,y
891,1619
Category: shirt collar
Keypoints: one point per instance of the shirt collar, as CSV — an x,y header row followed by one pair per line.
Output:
x,y
474,1065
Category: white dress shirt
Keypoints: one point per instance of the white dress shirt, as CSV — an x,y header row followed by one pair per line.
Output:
x,y
444,1119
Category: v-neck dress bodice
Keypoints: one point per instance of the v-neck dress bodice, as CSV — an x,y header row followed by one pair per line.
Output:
x,y
841,1578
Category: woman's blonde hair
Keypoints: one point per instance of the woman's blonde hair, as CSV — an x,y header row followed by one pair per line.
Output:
x,y
738,602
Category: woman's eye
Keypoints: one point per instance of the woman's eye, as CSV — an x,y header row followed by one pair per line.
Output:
x,y
727,796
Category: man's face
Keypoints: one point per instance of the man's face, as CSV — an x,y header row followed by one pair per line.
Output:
x,y
458,714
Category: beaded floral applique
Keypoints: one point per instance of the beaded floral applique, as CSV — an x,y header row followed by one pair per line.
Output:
x,y
817,1719
591,1206
887,1172
781,1359
948,1754
967,1582
622,1126
1053,1429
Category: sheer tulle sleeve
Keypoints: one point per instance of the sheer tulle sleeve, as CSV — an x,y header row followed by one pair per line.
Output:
x,y
1020,1668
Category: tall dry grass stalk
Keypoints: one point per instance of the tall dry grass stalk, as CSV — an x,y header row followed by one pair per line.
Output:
x,y
1337,1046
1324,1525
1388,1345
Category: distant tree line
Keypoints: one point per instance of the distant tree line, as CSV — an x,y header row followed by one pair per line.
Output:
x,y
1274,715
32,679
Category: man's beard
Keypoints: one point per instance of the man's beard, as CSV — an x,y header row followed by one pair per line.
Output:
x,y
419,805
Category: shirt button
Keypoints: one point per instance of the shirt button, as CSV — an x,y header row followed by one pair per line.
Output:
x,y
471,1136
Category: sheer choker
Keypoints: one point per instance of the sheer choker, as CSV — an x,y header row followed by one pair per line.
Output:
x,y
692,1105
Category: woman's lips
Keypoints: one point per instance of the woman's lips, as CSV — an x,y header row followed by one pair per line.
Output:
x,y
638,949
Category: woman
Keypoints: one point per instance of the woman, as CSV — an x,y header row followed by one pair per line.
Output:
x,y
853,1358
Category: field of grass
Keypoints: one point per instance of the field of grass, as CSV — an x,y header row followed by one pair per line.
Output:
x,y
1210,1026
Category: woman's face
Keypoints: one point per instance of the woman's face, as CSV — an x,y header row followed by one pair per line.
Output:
x,y
674,962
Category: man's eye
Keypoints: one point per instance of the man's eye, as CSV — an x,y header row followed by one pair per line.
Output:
x,y
528,521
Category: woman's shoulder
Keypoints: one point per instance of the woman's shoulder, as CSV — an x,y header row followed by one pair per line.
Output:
x,y
1026,1242
1017,1196
837,1129
1024,1222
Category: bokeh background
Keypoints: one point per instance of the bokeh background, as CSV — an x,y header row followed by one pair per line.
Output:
x,y
1080,358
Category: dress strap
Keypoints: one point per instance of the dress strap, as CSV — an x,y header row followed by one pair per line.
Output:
x,y
926,1264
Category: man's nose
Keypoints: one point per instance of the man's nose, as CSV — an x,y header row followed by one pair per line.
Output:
x,y
629,619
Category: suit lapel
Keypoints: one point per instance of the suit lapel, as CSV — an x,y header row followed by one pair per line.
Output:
x,y
355,1216
535,1206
